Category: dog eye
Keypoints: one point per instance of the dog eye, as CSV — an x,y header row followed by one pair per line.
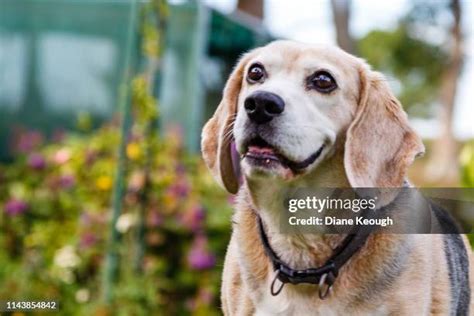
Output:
x,y
322,81
256,73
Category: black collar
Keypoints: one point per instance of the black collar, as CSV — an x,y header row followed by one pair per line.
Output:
x,y
325,275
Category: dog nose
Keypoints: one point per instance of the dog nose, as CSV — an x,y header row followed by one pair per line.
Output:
x,y
262,106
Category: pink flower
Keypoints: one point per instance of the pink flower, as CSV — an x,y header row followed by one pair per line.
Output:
x,y
179,189
88,218
62,156
62,182
15,207
36,161
87,240
91,156
193,219
154,219
199,257
85,219
27,141
205,296
66,181
180,169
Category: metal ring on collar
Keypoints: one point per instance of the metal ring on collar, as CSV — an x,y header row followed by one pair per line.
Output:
x,y
324,288
272,287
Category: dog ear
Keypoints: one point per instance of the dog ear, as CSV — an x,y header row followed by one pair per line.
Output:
x,y
380,144
217,137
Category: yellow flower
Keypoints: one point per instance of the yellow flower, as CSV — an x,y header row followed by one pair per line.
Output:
x,y
170,203
133,151
103,183
166,179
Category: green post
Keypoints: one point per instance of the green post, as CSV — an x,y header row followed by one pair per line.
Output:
x,y
112,254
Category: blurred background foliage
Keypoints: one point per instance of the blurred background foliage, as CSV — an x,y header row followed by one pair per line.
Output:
x,y
467,165
55,197
163,253
416,63
56,200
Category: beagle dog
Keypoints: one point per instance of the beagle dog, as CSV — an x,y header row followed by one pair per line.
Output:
x,y
295,114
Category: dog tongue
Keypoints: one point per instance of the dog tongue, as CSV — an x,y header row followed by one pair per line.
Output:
x,y
261,150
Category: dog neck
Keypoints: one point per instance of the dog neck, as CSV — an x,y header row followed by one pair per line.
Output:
x,y
268,197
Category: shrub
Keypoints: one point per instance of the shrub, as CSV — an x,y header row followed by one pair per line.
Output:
x,y
54,224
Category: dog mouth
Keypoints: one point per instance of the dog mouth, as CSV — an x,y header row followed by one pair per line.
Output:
x,y
261,153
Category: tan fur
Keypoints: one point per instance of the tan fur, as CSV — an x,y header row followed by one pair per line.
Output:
x,y
217,133
380,116
353,123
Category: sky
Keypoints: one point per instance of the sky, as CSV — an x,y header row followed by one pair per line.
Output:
x,y
311,21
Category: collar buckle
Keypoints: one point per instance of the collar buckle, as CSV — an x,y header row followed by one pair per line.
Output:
x,y
274,292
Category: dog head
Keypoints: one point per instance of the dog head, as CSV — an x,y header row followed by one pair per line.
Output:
x,y
287,105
